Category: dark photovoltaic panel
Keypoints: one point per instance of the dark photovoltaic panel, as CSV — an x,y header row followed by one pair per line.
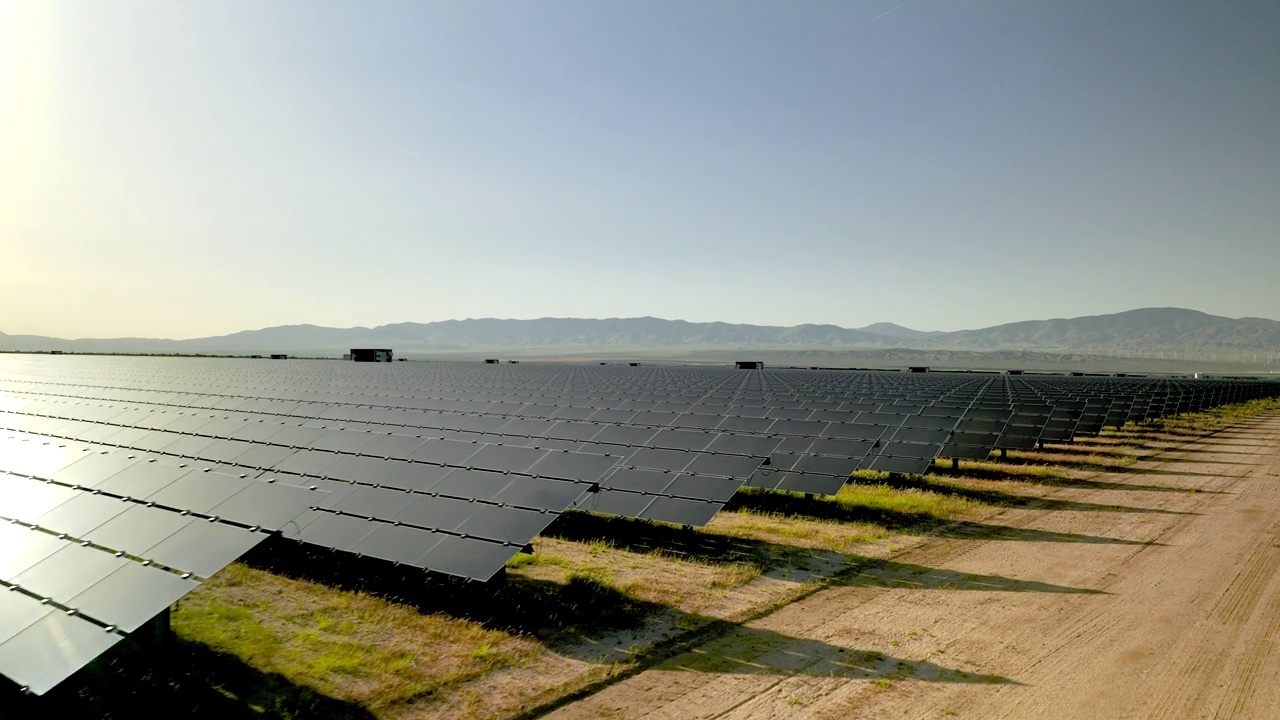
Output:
x,y
76,576
446,466
86,556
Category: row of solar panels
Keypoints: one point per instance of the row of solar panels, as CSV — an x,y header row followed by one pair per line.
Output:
x,y
449,491
894,441
83,565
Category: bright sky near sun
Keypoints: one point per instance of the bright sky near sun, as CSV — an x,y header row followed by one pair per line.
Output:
x,y
180,169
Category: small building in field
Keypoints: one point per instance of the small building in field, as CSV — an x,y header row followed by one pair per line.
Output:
x,y
749,365
371,354
491,361
279,356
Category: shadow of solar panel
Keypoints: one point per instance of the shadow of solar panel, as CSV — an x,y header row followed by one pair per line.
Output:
x,y
51,649
469,558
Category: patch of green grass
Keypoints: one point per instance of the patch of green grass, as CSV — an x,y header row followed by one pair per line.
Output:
x,y
920,503
345,644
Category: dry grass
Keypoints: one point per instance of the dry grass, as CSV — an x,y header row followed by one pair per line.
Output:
x,y
659,577
347,645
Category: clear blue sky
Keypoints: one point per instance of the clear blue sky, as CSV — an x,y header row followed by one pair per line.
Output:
x,y
187,169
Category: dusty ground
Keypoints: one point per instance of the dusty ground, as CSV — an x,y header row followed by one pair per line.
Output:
x,y
1151,592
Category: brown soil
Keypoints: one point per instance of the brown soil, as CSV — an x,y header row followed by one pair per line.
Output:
x,y
1149,592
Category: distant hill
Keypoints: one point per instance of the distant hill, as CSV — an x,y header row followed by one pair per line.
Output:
x,y
888,329
1149,330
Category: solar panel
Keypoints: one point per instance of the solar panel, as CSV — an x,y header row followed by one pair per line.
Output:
x,y
451,467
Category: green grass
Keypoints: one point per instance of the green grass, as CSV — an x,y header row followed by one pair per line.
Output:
x,y
344,644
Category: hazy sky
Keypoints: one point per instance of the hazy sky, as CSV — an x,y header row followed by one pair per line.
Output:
x,y
184,169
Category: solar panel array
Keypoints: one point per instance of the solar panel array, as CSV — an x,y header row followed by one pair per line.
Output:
x,y
95,542
170,468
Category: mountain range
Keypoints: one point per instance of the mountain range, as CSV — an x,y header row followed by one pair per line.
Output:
x,y
1148,330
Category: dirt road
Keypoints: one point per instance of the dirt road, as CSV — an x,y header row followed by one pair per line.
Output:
x,y
1148,593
